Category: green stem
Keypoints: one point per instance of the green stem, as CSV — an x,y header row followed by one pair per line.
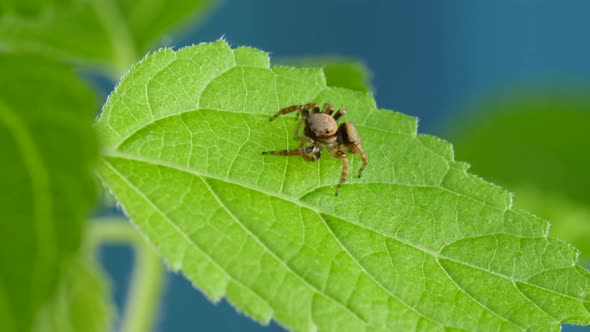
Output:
x,y
146,283
124,48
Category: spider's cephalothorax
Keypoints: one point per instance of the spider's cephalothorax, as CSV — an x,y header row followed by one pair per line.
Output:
x,y
321,131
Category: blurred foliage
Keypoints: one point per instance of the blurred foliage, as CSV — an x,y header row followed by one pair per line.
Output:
x,y
109,34
48,189
82,301
536,141
46,135
340,71
569,220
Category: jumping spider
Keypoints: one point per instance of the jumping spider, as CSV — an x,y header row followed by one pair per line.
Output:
x,y
322,131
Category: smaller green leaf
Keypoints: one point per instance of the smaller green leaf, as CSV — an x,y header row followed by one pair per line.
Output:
x,y
531,139
340,71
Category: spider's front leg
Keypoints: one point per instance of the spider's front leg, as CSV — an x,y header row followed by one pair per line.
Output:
x,y
329,110
309,153
301,108
301,138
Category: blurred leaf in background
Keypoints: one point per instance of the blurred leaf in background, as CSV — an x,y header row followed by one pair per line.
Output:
x,y
570,220
537,144
49,149
109,34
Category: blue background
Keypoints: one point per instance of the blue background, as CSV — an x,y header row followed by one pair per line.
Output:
x,y
430,59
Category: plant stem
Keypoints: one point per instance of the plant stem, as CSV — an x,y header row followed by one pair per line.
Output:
x,y
145,288
123,44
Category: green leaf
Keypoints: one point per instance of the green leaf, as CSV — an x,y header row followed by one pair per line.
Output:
x,y
112,34
339,71
416,244
48,147
535,141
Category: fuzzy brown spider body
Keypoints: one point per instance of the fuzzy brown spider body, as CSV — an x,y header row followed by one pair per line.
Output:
x,y
322,131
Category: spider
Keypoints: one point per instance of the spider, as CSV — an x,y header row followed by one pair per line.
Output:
x,y
322,131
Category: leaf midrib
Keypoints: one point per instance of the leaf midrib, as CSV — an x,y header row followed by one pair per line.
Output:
x,y
152,121
295,200
434,254
284,197
363,125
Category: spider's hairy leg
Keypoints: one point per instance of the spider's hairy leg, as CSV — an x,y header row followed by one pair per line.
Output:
x,y
328,109
350,141
355,147
340,113
302,138
309,153
359,149
341,155
301,108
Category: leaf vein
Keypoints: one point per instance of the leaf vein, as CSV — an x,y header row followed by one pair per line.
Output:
x,y
315,209
263,245
475,300
183,234
366,272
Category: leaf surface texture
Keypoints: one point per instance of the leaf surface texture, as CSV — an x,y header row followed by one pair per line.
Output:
x,y
416,244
